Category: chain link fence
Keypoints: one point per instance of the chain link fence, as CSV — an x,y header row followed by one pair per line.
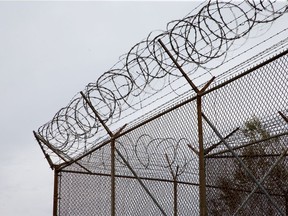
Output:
x,y
156,169
216,148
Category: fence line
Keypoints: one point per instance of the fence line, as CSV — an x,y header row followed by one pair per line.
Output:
x,y
220,151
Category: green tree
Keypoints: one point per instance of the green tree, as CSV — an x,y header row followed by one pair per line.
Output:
x,y
235,184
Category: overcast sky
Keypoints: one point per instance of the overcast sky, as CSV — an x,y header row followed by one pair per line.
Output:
x,y
49,51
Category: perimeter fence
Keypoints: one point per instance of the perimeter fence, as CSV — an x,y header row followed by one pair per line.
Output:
x,y
217,148
153,167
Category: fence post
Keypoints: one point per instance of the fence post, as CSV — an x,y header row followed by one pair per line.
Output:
x,y
113,177
113,149
175,189
202,175
55,196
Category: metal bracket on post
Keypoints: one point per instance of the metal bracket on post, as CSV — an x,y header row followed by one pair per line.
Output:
x,y
44,152
206,85
56,151
59,153
209,149
247,170
179,67
96,114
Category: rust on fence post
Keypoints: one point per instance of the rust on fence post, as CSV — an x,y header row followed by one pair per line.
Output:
x,y
202,175
96,114
194,87
175,196
55,196
44,152
113,177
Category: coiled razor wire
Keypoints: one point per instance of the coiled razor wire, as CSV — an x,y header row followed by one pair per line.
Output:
x,y
200,41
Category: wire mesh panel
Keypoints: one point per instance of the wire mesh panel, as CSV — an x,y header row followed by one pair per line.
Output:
x,y
259,94
83,194
251,103
160,145
131,198
156,163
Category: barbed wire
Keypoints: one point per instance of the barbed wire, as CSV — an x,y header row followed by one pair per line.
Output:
x,y
201,41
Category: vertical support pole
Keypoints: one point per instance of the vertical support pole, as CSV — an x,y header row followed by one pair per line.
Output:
x,y
202,176
202,171
55,198
112,136
174,177
175,193
113,177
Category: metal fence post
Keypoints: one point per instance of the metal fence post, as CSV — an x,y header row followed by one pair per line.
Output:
x,y
202,175
175,188
55,196
113,198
